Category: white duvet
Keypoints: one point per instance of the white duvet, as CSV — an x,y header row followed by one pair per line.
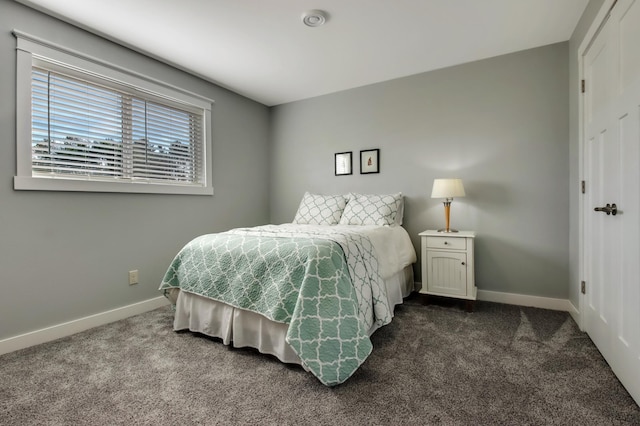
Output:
x,y
392,243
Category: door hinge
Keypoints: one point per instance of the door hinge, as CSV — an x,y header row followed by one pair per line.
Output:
x,y
583,287
582,86
583,186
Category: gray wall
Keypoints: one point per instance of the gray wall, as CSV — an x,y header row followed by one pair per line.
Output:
x,y
500,124
574,148
66,255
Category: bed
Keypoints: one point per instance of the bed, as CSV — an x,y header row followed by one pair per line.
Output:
x,y
309,292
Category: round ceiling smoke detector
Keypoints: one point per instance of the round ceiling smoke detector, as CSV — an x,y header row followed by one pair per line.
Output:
x,y
314,18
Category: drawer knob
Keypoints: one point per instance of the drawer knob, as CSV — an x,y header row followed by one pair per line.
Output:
x,y
463,263
446,242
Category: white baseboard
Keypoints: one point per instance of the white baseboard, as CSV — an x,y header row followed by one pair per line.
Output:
x,y
523,300
526,300
68,328
575,314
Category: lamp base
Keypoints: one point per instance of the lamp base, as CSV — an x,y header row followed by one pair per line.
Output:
x,y
447,230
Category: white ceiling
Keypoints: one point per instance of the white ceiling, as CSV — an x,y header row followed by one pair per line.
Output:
x,y
261,49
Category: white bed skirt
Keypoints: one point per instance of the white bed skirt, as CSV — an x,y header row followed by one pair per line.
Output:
x,y
243,328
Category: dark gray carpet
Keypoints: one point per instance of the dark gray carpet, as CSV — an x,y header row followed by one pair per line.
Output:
x,y
434,364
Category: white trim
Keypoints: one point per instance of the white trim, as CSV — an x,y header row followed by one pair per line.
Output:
x,y
30,183
526,300
520,300
581,196
575,314
72,327
595,26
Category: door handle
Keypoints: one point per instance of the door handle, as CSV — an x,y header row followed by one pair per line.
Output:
x,y
608,209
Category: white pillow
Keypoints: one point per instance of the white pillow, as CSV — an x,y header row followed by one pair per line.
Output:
x,y
370,209
317,209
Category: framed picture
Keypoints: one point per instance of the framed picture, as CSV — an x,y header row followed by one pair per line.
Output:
x,y
370,161
344,163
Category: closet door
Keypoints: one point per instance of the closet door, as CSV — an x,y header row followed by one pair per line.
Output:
x,y
611,314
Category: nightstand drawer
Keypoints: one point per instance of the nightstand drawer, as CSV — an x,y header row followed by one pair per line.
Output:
x,y
447,243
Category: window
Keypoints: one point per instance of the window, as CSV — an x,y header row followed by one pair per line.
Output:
x,y
95,128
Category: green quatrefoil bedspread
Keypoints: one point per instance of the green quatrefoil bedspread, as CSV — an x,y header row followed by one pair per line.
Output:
x,y
325,285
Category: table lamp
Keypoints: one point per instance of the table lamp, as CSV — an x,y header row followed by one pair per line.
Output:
x,y
447,189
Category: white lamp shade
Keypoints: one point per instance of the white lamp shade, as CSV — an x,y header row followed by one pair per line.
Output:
x,y
447,188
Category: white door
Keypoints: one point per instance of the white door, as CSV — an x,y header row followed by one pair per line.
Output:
x,y
611,308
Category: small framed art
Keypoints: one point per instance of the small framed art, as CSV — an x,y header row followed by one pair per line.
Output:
x,y
370,161
344,163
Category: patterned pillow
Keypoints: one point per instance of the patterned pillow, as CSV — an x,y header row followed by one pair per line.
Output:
x,y
320,209
365,209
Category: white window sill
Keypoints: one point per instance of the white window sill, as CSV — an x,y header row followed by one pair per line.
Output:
x,y
29,183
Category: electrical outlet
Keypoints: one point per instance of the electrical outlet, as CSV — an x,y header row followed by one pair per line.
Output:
x,y
133,277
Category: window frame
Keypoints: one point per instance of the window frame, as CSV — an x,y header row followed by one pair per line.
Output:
x,y
30,50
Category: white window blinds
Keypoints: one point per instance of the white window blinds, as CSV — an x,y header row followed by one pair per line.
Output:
x,y
83,124
87,130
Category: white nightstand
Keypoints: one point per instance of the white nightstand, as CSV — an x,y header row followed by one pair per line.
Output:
x,y
447,265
